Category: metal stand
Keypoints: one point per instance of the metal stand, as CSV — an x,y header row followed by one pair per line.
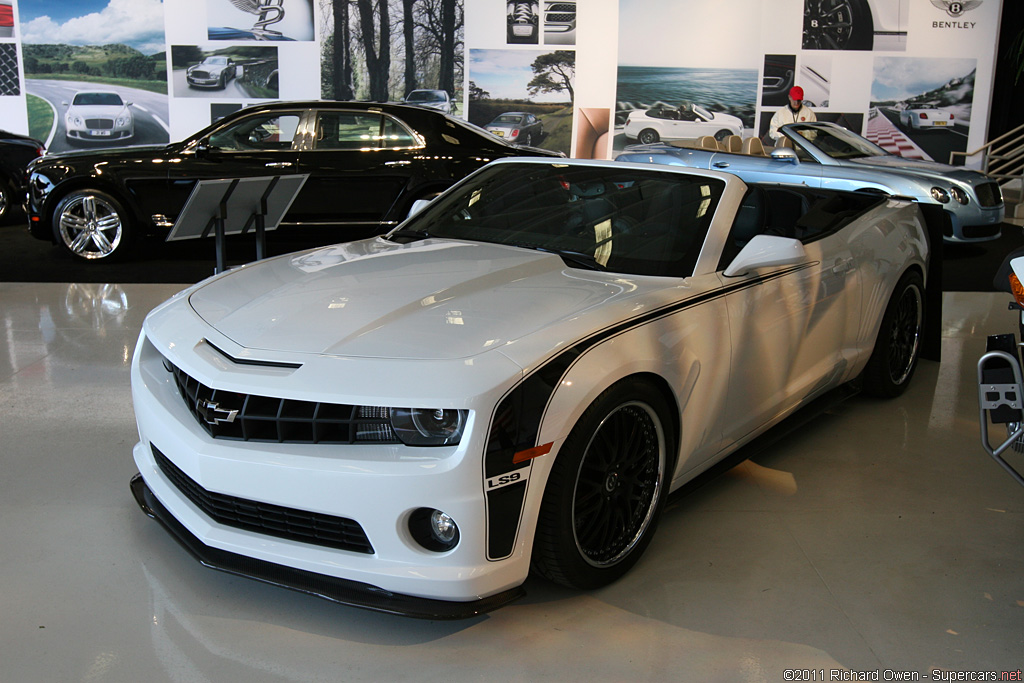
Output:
x,y
1002,401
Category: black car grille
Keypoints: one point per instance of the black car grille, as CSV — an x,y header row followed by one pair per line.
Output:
x,y
99,124
200,74
989,194
248,417
568,7
974,232
273,520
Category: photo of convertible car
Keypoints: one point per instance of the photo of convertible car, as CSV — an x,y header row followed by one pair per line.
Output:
x,y
665,122
918,116
516,377
99,116
367,164
856,24
827,155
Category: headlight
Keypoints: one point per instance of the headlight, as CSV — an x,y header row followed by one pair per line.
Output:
x,y
75,120
959,195
940,195
428,426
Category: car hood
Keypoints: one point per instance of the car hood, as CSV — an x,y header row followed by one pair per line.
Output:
x,y
434,299
924,169
92,110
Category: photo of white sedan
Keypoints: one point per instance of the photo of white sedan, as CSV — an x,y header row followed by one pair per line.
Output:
x,y
98,115
665,122
514,378
918,116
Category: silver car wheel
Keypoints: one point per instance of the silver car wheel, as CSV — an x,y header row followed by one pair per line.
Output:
x,y
89,226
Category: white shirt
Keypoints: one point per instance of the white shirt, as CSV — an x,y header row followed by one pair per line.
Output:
x,y
787,115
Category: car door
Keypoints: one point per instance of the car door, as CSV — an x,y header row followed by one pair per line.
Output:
x,y
262,144
804,170
793,329
360,164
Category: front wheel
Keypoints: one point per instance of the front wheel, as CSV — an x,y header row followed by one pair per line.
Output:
x,y
898,344
91,225
648,136
607,488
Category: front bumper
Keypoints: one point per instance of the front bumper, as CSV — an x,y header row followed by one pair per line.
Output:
x,y
351,593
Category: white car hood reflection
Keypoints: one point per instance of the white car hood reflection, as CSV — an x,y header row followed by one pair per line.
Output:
x,y
426,300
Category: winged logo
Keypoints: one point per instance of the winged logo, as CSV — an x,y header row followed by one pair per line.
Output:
x,y
268,11
953,8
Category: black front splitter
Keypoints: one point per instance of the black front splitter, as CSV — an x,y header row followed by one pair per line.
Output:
x,y
342,591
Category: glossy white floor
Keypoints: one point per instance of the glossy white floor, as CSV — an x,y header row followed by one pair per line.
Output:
x,y
880,537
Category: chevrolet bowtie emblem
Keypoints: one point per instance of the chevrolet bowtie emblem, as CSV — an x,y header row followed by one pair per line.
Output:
x,y
212,413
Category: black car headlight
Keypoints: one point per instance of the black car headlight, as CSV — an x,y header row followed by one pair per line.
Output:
x,y
428,426
959,195
940,195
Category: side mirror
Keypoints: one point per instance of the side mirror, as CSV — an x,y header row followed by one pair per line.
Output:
x,y
784,154
417,206
764,251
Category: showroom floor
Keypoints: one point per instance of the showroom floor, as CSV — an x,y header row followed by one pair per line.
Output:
x,y
879,538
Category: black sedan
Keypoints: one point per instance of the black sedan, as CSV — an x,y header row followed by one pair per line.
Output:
x,y
16,151
367,164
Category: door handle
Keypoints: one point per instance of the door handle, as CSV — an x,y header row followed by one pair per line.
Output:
x,y
279,164
397,163
721,164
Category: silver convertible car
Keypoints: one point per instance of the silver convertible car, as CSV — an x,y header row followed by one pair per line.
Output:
x,y
514,379
830,156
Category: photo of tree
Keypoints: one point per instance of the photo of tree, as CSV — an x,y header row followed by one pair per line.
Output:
x,y
381,50
536,82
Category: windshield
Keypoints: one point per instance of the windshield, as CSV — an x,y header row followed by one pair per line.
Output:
x,y
97,98
635,221
507,118
215,60
837,142
702,112
425,96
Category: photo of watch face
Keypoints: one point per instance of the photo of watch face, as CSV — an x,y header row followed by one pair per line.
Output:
x,y
522,20
276,20
856,25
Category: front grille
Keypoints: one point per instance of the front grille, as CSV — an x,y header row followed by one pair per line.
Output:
x,y
264,518
973,232
99,124
989,194
200,74
569,7
248,417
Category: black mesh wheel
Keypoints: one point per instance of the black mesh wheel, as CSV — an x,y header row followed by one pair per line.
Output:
x,y
898,344
606,489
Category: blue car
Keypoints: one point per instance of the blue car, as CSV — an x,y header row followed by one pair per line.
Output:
x,y
830,156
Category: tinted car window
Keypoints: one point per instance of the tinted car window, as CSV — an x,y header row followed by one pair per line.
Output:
x,y
359,130
271,131
629,221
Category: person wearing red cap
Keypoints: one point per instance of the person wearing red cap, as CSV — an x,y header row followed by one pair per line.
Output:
x,y
793,112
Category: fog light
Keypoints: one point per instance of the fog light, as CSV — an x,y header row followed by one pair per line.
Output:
x,y
434,529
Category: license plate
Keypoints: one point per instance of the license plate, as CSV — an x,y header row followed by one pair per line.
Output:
x,y
500,133
938,123
100,132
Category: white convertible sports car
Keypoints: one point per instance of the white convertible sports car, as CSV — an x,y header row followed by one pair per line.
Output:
x,y
664,122
918,116
516,376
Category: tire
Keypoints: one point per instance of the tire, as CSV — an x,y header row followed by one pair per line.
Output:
x,y
648,136
91,225
838,25
722,134
8,208
529,140
898,344
607,488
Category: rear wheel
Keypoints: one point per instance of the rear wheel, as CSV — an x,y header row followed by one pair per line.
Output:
x,y
91,225
607,488
894,358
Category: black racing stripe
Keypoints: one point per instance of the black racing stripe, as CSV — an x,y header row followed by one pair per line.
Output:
x,y
515,425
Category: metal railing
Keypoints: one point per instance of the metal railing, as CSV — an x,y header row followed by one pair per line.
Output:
x,y
1002,158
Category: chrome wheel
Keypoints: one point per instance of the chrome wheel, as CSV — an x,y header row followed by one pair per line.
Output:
x,y
618,485
89,225
648,136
